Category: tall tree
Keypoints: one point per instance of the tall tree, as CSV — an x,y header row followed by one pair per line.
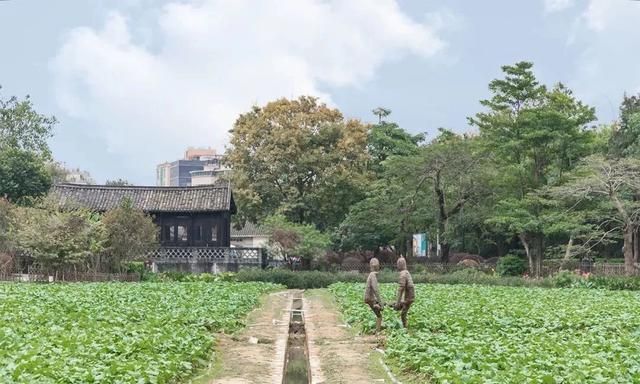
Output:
x,y
625,140
22,175
130,234
535,135
423,191
291,156
21,127
387,139
615,182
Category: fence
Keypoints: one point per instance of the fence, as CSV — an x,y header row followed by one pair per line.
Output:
x,y
550,267
209,260
25,270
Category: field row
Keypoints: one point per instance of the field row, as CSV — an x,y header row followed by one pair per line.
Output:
x,y
480,334
115,333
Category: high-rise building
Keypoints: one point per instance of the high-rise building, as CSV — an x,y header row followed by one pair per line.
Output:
x,y
163,175
211,173
179,173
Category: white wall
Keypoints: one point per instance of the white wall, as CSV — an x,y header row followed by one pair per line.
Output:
x,y
251,242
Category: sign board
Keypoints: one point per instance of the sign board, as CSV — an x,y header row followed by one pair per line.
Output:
x,y
420,245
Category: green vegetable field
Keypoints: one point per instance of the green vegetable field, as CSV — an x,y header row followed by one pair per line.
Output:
x,y
115,333
482,334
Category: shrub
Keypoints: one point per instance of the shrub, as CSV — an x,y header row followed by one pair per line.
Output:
x,y
616,283
564,279
511,265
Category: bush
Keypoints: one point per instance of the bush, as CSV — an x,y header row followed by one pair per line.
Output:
x,y
511,265
298,279
615,283
564,279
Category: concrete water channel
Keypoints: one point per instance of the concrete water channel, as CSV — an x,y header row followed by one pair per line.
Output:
x,y
296,359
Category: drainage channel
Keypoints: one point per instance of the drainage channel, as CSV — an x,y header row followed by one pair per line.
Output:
x,y
296,360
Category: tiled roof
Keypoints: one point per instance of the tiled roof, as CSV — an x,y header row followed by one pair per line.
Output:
x,y
210,198
249,230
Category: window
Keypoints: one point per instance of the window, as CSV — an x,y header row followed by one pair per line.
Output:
x,y
198,233
214,232
169,233
182,233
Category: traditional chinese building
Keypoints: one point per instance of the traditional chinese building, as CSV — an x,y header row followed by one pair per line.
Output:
x,y
187,216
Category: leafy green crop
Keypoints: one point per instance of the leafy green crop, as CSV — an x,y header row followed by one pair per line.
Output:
x,y
480,334
115,332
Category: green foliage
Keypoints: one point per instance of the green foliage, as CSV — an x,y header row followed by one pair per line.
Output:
x,y
57,238
482,334
116,333
567,279
23,129
511,265
118,183
625,140
423,191
387,139
299,158
6,224
297,279
23,175
129,233
289,239
534,135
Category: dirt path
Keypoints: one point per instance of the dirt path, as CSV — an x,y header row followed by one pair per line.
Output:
x,y
255,355
336,355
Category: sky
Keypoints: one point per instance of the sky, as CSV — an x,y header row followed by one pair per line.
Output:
x,y
134,83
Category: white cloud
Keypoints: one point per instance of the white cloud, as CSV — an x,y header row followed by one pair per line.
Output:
x,y
557,5
213,59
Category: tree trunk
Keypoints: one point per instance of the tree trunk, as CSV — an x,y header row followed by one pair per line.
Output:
x,y
567,254
525,244
537,253
629,263
636,246
445,252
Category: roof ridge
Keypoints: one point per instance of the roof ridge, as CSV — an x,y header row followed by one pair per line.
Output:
x,y
151,187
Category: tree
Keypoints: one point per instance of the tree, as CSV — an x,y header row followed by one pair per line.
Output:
x,y
118,183
6,220
56,238
289,157
380,219
381,112
22,175
295,240
535,136
60,174
23,149
449,173
130,234
425,190
22,128
625,140
387,139
617,183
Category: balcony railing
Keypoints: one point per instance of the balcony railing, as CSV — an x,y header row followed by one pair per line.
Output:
x,y
198,254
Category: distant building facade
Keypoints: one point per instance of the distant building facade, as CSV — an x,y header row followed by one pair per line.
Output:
x,y
212,172
163,175
201,162
250,236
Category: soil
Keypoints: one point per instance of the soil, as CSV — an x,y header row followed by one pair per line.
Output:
x,y
256,354
337,355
